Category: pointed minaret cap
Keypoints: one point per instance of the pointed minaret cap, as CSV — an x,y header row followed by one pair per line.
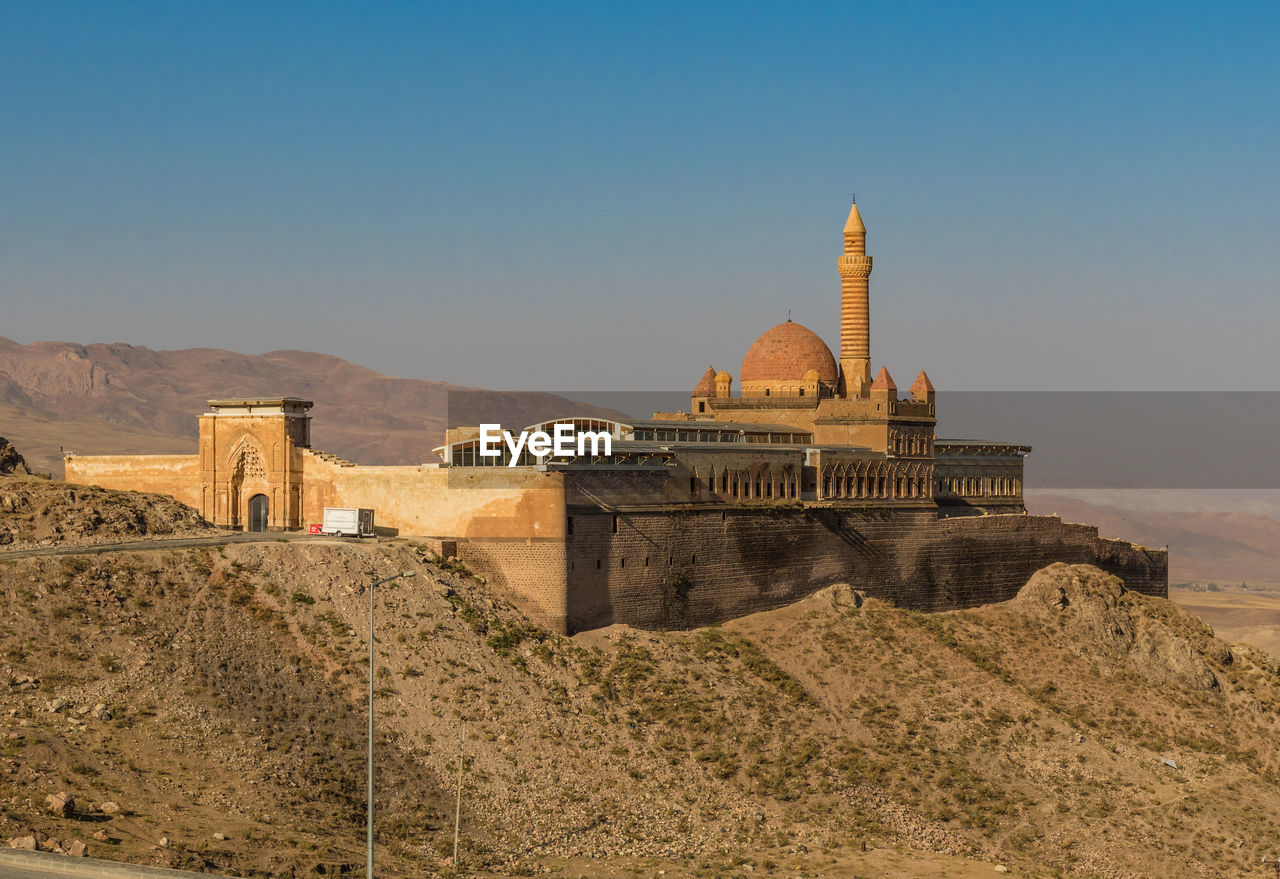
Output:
x,y
922,385
884,381
854,223
706,387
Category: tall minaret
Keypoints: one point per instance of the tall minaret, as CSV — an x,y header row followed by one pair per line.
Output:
x,y
855,320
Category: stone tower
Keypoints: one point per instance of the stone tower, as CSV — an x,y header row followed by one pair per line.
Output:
x,y
855,318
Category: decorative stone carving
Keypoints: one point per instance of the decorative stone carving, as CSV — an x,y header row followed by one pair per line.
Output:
x,y
250,465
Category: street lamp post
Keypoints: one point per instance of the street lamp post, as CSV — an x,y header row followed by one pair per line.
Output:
x,y
369,811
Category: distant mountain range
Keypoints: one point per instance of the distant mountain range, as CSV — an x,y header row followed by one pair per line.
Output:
x,y
113,399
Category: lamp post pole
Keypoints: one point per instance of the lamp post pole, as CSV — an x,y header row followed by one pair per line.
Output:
x,y
369,810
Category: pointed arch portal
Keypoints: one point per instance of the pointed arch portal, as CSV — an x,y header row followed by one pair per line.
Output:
x,y
259,512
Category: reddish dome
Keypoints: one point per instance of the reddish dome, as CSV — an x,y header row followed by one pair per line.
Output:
x,y
785,353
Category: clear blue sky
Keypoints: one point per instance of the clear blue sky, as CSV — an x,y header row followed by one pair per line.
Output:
x,y
596,195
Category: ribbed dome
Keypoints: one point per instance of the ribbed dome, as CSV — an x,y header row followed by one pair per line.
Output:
x,y
785,353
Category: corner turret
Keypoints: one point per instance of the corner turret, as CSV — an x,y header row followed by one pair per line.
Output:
x,y
922,389
724,384
705,389
883,390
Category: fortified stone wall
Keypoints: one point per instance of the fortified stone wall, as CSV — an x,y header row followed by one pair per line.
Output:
x,y
970,561
573,564
175,475
673,569
531,573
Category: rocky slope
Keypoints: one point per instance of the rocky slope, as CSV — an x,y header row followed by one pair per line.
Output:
x,y
204,708
10,460
38,512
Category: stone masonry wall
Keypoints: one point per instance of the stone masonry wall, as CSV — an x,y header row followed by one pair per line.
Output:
x,y
670,569
471,502
175,475
529,573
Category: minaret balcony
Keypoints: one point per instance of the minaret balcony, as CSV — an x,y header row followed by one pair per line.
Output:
x,y
855,265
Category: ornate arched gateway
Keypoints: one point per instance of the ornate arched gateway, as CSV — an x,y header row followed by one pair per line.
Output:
x,y
251,462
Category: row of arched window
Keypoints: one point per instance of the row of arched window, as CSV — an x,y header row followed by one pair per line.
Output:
x,y
878,481
980,486
843,484
748,485
910,443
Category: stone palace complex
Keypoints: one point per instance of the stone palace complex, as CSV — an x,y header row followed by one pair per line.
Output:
x,y
812,473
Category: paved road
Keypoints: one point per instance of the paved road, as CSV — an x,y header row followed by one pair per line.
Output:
x,y
16,864
172,543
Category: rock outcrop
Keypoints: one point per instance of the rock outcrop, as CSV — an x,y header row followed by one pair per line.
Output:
x,y
1121,628
10,460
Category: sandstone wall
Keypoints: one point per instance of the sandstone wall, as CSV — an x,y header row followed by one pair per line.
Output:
x,y
664,569
463,502
510,522
531,573
175,475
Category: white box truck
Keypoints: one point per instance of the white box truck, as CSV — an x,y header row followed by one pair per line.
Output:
x,y
347,522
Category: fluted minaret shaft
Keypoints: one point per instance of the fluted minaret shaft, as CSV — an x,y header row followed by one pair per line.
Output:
x,y
855,309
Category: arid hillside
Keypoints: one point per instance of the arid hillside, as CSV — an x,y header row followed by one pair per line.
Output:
x,y
1248,617
114,399
204,708
37,512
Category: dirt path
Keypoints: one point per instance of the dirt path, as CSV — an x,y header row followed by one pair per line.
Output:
x,y
157,543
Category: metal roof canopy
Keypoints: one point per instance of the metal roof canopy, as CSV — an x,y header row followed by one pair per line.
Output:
x,y
721,426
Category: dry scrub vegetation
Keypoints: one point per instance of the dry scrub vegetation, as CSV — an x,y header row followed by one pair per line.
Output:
x,y
219,691
35,511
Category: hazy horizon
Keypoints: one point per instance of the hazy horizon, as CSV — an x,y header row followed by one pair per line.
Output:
x,y
572,196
